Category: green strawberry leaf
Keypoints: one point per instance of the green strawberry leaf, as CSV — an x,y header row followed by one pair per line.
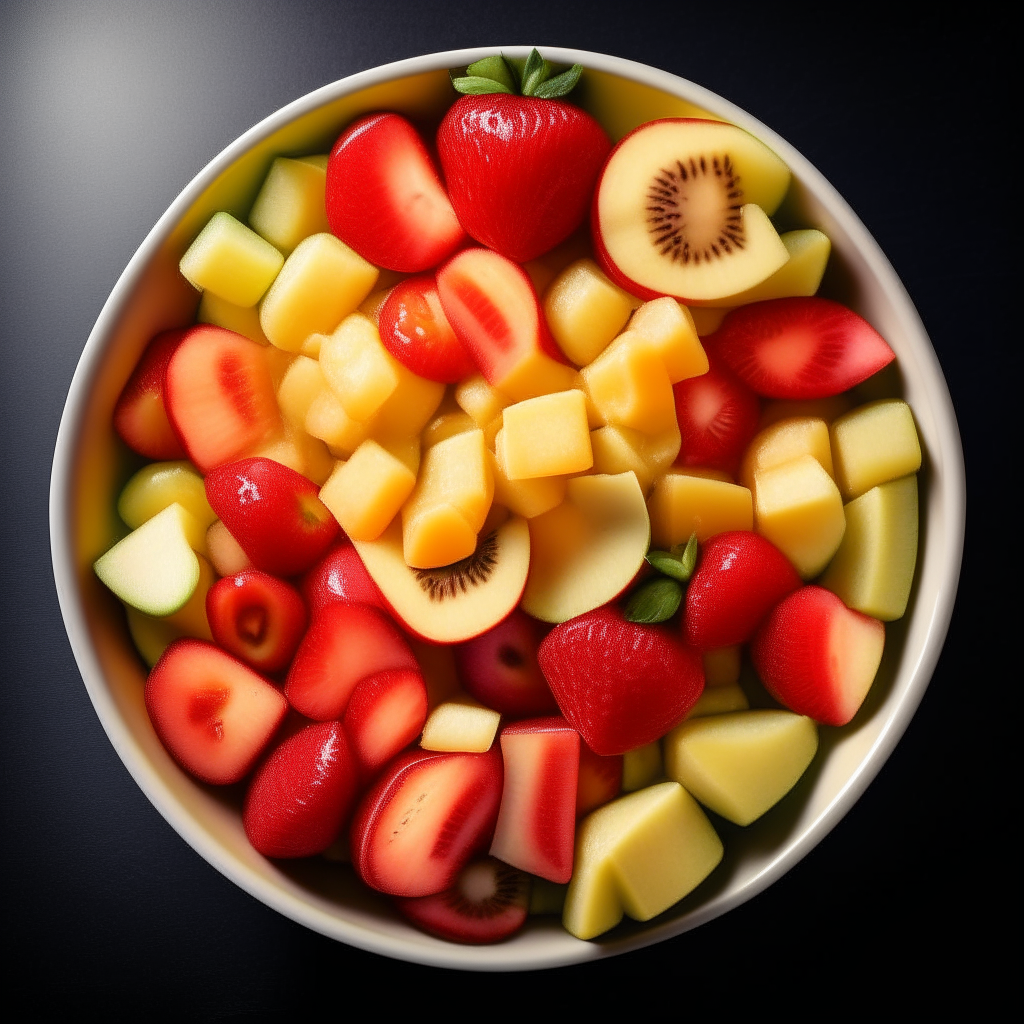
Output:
x,y
475,85
534,72
656,601
560,85
667,564
497,69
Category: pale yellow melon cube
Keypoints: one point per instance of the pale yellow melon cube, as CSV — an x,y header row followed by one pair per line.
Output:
x,y
799,509
225,553
669,327
311,346
585,310
620,449
722,666
476,397
365,493
231,260
446,425
327,420
741,764
321,282
874,444
527,498
683,503
406,449
545,436
290,204
537,374
717,700
244,320
301,383
408,409
785,440
544,269
357,367
641,767
160,484
460,725
827,409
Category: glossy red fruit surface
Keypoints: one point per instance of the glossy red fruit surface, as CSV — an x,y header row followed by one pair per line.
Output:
x,y
600,780
274,513
385,713
520,170
140,416
214,714
423,820
385,198
416,332
257,617
739,578
620,684
340,576
488,902
800,348
302,795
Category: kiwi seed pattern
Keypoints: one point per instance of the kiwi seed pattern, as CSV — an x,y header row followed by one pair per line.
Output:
x,y
451,580
509,888
666,218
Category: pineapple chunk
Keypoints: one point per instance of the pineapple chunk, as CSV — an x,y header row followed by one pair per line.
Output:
x,y
301,383
785,440
669,327
357,367
290,204
243,320
460,725
327,420
620,449
874,444
527,498
446,425
683,503
545,436
476,397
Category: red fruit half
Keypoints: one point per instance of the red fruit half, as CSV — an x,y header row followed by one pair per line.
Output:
x,y
302,795
427,815
600,780
274,513
818,657
214,714
140,416
618,683
488,902
219,395
385,198
739,579
257,618
345,644
385,713
416,332
718,417
800,347
520,170
500,668
340,576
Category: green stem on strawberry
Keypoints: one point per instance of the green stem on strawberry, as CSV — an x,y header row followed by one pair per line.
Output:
x,y
656,601
678,563
531,77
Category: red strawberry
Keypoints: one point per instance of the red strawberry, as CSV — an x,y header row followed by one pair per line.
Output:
x,y
600,780
256,617
416,332
385,198
739,579
620,684
140,416
214,714
384,715
302,795
274,513
520,169
800,347
488,902
425,817
340,576
818,657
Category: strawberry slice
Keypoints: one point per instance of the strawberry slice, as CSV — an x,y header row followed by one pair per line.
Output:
x,y
425,817
256,617
345,644
340,576
618,683
214,714
488,902
800,348
140,416
274,513
385,198
600,780
416,332
739,579
302,795
384,715
818,657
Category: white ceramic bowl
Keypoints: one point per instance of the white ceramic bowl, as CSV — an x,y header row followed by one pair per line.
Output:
x,y
90,465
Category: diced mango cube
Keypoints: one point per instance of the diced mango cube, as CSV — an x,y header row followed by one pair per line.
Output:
x,y
527,498
446,425
243,320
408,409
327,419
301,383
460,725
357,367
476,397
620,449
545,436
874,444
290,204
683,503
669,327
436,535
785,440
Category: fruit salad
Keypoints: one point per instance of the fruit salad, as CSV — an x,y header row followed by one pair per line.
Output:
x,y
515,507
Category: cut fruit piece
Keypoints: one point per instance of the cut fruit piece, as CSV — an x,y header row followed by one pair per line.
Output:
x,y
357,367
150,635
212,713
526,498
545,436
290,203
669,327
384,715
460,724
827,409
784,440
642,767
717,700
160,484
621,450
225,553
424,819
340,576
244,320
874,444
741,764
817,657
599,779
454,602
683,504
477,398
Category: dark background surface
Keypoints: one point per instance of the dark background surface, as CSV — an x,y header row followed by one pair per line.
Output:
x,y
107,109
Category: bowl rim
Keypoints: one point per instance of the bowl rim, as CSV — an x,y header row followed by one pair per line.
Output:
x,y
952,484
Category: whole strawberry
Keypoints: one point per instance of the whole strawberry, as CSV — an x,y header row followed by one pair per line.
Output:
x,y
519,164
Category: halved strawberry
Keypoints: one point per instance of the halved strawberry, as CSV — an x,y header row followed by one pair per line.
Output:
x,y
301,796
618,683
340,576
274,513
384,715
799,348
818,657
385,198
600,779
140,416
488,902
739,579
256,617
426,816
344,644
416,332
214,714
219,395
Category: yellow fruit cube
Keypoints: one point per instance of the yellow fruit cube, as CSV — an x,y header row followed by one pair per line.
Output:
x,y
321,282
717,700
301,383
160,484
537,374
231,260
683,503
641,767
785,440
436,535
460,725
620,449
244,320
874,444
722,666
669,327
408,409
446,425
545,436
827,409
407,450
476,397
327,420
297,450
357,367
527,498
290,203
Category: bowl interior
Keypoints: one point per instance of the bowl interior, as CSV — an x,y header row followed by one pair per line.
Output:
x,y
91,464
